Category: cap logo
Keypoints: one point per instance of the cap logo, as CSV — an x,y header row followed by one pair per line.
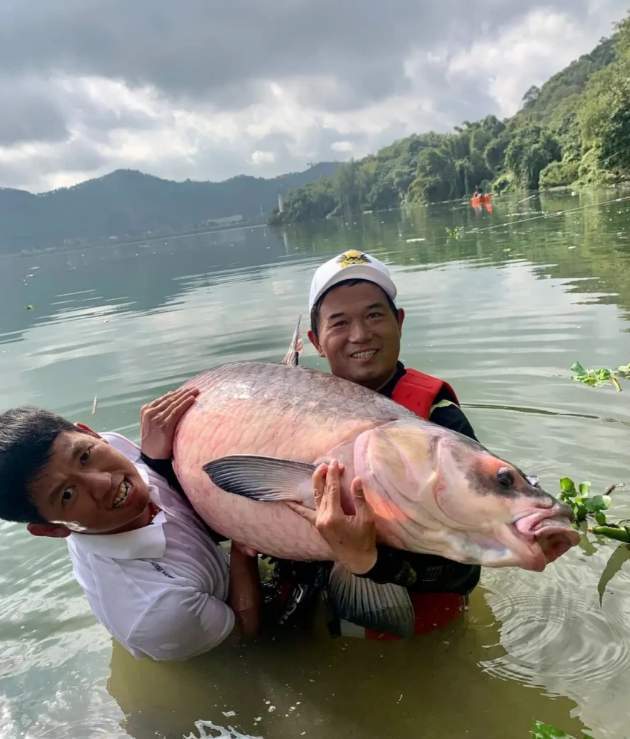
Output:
x,y
352,256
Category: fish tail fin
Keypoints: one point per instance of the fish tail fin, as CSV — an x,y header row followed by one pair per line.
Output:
x,y
263,478
291,358
379,606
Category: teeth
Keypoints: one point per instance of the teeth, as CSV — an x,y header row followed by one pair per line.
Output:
x,y
122,494
364,355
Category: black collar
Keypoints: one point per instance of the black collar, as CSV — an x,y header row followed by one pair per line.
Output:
x,y
388,387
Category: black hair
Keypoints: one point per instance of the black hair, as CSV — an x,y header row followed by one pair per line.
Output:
x,y
26,439
348,283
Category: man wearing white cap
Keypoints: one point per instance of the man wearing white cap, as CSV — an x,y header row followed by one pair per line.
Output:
x,y
356,326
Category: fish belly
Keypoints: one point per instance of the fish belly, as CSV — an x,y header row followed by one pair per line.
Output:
x,y
274,411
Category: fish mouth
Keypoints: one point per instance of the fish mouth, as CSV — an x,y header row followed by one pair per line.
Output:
x,y
546,534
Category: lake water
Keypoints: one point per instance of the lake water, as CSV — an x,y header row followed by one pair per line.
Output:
x,y
501,308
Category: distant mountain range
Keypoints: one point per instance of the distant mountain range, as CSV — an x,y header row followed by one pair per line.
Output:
x,y
128,204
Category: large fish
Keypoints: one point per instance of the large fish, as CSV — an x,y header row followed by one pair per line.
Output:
x,y
256,431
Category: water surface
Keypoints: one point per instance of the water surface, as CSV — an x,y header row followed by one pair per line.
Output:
x,y
500,308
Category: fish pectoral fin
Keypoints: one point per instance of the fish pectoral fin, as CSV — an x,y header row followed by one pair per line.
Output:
x,y
382,607
262,478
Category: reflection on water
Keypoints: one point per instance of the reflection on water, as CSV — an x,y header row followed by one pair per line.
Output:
x,y
500,305
306,682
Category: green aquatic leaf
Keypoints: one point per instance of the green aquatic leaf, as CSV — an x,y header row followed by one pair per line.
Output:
x,y
584,488
614,564
541,730
596,503
567,486
597,377
613,531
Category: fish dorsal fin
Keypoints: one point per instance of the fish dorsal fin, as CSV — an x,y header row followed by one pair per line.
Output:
x,y
382,607
291,358
262,478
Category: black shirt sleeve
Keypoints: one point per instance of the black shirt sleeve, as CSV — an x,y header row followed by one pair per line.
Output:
x,y
163,467
452,417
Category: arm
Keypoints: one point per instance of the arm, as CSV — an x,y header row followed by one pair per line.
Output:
x,y
245,595
451,416
181,624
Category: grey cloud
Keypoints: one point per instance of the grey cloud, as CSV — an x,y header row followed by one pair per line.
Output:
x,y
198,47
29,113
71,156
201,56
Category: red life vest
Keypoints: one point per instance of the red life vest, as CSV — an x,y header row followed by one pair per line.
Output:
x,y
417,391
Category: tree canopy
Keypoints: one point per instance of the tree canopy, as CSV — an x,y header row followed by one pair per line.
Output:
x,y
574,129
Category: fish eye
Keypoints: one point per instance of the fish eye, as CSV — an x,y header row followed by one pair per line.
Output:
x,y
505,478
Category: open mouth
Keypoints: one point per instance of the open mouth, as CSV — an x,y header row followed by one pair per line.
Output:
x,y
122,494
548,533
365,355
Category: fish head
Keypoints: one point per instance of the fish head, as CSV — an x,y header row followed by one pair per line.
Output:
x,y
510,519
441,492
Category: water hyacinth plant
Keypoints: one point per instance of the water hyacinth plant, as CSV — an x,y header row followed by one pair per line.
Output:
x,y
591,509
601,376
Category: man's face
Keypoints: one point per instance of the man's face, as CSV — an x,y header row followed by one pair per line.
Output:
x,y
90,487
359,334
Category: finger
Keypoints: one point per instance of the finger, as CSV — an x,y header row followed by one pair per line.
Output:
x,y
178,410
319,483
332,491
308,513
173,396
361,506
244,549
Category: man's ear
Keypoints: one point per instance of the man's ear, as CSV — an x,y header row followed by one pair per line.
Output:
x,y
313,339
53,530
86,429
400,316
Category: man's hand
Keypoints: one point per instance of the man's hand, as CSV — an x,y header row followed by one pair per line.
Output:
x,y
352,538
159,419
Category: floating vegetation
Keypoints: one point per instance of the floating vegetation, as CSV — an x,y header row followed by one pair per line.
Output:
x,y
601,376
541,730
589,508
457,232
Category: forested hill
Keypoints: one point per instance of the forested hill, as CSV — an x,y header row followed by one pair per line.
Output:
x,y
574,130
127,203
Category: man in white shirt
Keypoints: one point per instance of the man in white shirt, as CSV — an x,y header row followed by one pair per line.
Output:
x,y
150,569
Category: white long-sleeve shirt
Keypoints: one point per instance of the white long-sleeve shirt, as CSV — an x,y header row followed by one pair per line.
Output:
x,y
160,590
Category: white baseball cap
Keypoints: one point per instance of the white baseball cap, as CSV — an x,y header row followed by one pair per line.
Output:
x,y
351,265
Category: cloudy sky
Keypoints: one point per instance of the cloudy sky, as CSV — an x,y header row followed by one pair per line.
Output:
x,y
206,89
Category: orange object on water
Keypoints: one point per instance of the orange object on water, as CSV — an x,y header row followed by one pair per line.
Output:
x,y
478,200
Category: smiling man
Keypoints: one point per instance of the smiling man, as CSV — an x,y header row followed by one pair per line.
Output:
x,y
356,326
149,567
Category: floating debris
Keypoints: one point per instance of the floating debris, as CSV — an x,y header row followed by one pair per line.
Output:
x,y
94,403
